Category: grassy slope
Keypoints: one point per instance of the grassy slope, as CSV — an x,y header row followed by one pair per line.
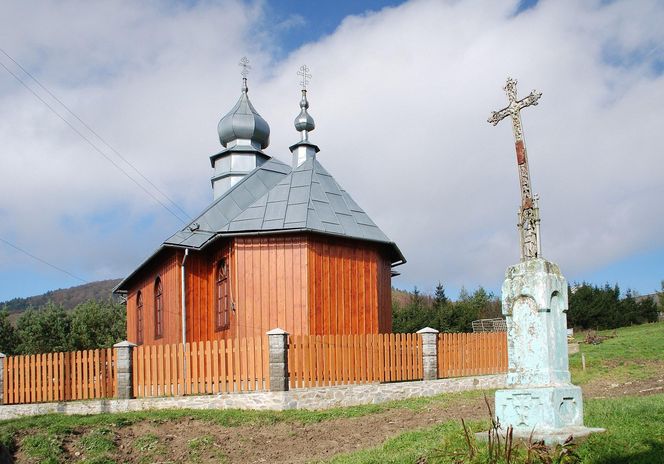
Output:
x,y
628,355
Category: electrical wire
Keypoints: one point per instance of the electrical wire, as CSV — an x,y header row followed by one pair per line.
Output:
x,y
6,242
87,126
92,144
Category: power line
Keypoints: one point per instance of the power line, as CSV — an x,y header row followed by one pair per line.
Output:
x,y
97,149
94,132
41,260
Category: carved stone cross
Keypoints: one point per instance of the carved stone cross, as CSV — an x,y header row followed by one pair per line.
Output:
x,y
529,212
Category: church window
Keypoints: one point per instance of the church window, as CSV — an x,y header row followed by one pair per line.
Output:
x,y
158,309
139,318
222,303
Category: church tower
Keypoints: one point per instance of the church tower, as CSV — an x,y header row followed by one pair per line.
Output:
x,y
243,133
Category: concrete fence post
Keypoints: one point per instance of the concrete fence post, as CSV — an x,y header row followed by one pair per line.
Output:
x,y
2,377
278,343
124,369
429,353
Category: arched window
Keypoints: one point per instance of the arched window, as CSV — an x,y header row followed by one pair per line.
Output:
x,y
139,318
223,299
158,309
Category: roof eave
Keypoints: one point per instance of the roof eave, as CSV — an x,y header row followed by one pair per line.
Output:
x,y
121,288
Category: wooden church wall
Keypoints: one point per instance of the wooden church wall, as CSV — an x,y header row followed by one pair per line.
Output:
x,y
200,269
349,288
167,268
270,288
305,285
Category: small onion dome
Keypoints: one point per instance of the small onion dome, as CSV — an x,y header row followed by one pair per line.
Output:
x,y
304,122
244,122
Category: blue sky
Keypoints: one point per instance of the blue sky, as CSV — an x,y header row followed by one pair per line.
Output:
x,y
400,89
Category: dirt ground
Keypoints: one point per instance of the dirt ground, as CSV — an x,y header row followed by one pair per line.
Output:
x,y
196,441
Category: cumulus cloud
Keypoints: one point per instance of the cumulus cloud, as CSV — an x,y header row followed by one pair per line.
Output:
x,y
400,98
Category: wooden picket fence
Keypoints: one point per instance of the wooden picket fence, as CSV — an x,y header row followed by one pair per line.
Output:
x,y
321,360
77,375
241,365
461,354
202,368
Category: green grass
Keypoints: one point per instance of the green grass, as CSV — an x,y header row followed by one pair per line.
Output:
x,y
98,441
205,444
44,447
149,447
630,355
635,435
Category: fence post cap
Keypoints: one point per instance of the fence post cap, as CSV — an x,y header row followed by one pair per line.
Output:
x,y
427,330
277,331
125,344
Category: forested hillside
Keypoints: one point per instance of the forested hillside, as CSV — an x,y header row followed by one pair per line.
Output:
x,y
68,298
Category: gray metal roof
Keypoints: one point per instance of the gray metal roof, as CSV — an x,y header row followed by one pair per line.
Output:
x,y
308,198
272,199
237,199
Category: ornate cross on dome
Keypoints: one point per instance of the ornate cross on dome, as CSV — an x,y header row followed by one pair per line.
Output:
x,y
244,64
529,212
304,72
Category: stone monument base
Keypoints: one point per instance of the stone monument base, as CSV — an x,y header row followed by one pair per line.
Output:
x,y
546,413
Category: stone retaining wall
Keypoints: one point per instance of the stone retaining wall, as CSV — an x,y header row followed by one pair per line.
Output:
x,y
309,398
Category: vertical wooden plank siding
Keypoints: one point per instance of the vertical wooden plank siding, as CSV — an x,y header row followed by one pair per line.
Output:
x,y
270,286
349,287
167,267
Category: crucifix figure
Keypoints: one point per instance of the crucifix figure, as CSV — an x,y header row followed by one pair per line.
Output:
x,y
529,212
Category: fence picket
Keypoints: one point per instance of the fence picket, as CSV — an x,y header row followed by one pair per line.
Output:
x,y
181,375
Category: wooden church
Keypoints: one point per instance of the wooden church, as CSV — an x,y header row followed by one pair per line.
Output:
x,y
280,246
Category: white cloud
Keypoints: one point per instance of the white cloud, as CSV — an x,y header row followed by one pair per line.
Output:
x,y
400,98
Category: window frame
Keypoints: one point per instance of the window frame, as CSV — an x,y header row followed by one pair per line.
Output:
x,y
222,297
158,308
139,318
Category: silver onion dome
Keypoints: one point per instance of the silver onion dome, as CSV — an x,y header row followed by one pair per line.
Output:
x,y
304,122
244,124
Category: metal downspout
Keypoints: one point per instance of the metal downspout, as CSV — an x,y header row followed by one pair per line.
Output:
x,y
184,318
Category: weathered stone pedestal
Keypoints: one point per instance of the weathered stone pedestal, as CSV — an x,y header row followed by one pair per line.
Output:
x,y
540,399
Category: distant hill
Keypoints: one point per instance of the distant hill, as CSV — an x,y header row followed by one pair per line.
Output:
x,y
403,297
69,298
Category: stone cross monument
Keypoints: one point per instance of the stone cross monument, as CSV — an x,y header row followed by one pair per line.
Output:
x,y
540,399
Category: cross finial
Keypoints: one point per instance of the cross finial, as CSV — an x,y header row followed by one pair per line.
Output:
x,y
244,64
304,72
